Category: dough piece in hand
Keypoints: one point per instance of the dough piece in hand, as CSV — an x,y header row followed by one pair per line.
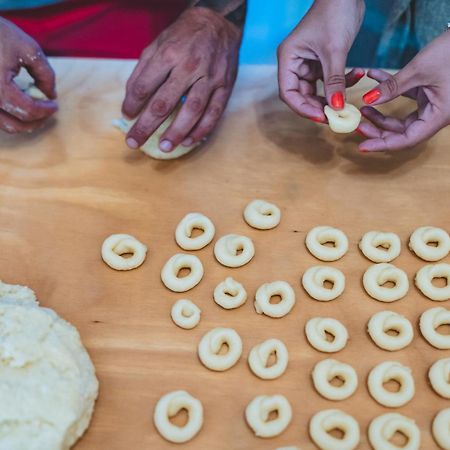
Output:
x,y
344,121
230,294
439,376
185,314
117,245
441,429
262,215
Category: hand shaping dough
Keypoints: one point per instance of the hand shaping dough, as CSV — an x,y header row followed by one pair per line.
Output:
x,y
319,236
377,275
262,215
344,121
168,406
259,356
421,239
117,245
389,242
430,321
230,294
424,278
439,376
184,230
314,278
170,271
316,333
441,429
185,314
267,291
227,250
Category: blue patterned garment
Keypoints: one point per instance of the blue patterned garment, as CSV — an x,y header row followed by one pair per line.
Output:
x,y
7,5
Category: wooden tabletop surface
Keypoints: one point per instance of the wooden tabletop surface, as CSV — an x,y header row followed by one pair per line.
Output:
x,y
66,188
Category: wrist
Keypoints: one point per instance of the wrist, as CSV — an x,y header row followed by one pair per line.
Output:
x,y
234,11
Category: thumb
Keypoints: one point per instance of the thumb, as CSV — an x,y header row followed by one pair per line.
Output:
x,y
333,67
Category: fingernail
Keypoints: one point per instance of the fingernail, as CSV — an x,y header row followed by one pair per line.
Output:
x,y
317,119
132,143
371,96
165,146
360,132
187,142
359,75
337,100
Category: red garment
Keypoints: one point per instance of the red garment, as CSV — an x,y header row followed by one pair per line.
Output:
x,y
100,28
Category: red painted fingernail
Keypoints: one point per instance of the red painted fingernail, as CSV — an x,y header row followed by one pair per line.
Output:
x,y
360,132
317,119
337,100
359,75
371,96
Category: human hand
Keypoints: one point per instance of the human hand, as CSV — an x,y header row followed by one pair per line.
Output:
x,y
18,111
317,50
196,56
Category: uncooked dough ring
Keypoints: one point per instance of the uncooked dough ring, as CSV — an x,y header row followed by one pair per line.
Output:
x,y
185,314
262,215
384,321
391,370
267,291
184,230
345,120
384,427
313,282
324,371
316,332
329,419
419,240
230,294
118,244
424,278
318,236
259,356
441,429
439,376
430,320
227,248
168,406
389,242
258,411
169,273
210,344
378,274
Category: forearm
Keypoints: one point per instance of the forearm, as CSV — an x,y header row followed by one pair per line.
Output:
x,y
233,10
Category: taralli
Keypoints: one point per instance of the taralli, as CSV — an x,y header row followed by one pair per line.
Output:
x,y
185,314
430,321
384,321
328,369
380,247
262,215
377,275
258,411
117,245
258,359
424,281
345,120
190,222
384,372
421,239
316,332
314,279
168,406
210,345
439,376
319,236
230,294
227,250
170,271
267,291
327,420
441,429
384,427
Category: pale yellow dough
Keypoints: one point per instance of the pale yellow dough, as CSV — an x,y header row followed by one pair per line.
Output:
x,y
345,120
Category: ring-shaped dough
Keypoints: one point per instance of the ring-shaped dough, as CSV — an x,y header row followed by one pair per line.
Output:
x,y
230,294
184,230
378,274
259,356
117,245
258,411
384,321
424,278
262,215
430,321
423,236
439,376
441,428
391,370
327,420
314,278
267,291
227,248
319,236
389,242
324,371
170,271
168,406
210,345
384,427
185,314
316,332
345,120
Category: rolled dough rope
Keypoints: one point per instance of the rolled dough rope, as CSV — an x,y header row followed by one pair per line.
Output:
x,y
258,411
344,121
389,242
384,427
319,236
430,321
191,221
378,274
259,356
439,376
314,278
316,332
226,250
230,294
170,271
267,291
262,215
424,281
421,239
168,406
441,429
117,245
185,314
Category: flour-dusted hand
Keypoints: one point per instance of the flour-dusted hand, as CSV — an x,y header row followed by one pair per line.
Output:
x,y
20,112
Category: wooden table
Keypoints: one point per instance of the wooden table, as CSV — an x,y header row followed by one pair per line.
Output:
x,y
66,188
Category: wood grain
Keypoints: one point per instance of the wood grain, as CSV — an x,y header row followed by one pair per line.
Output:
x,y
66,188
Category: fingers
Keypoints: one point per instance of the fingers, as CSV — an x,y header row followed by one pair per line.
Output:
x,y
382,121
42,73
12,125
381,75
354,76
333,67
